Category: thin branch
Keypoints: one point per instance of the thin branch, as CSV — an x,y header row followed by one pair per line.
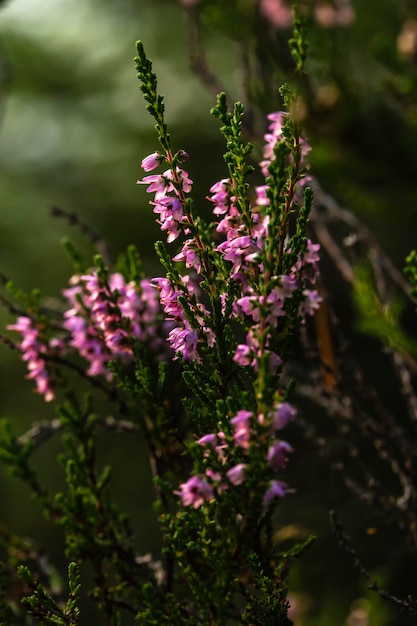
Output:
x,y
94,382
406,386
334,212
197,56
41,432
8,342
333,250
92,236
408,604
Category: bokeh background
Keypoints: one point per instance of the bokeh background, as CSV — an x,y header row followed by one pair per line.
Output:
x,y
73,130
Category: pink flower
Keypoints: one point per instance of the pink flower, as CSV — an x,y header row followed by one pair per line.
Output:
x,y
185,340
277,454
37,371
189,255
236,474
281,415
329,16
276,489
276,301
261,197
195,492
246,352
289,284
169,298
210,439
239,249
221,196
156,183
152,161
185,181
32,349
311,303
277,12
249,305
241,423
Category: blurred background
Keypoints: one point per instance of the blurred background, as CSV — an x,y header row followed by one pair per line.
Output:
x,y
73,131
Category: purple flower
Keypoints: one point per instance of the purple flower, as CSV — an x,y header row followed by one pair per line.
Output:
x,y
236,474
311,303
261,197
246,353
169,298
216,479
152,161
281,415
221,196
241,423
156,183
32,349
250,306
210,439
184,340
189,255
243,355
170,215
276,489
168,208
195,492
289,283
277,454
276,301
238,249
308,262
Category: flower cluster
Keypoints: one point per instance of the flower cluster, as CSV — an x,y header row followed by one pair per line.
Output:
x,y
170,205
102,320
246,432
106,316
34,348
169,189
272,138
244,249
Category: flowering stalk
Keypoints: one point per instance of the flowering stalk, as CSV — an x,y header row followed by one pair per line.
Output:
x,y
250,271
256,249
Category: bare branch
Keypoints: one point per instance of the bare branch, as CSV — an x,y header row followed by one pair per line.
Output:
x,y
73,219
408,604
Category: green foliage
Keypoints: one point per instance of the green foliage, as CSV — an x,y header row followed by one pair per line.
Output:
x,y
298,42
236,157
44,608
148,85
411,271
381,319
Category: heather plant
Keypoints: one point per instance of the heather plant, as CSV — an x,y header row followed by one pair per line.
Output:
x,y
191,363
205,366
